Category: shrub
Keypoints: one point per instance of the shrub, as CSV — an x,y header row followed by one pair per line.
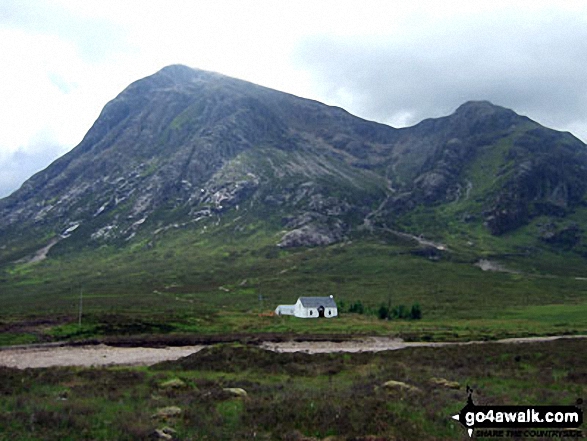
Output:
x,y
416,312
383,312
400,312
357,308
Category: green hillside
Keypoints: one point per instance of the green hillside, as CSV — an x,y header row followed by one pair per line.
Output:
x,y
214,279
197,201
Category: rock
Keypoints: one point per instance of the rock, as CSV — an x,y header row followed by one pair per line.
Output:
x,y
399,385
311,235
199,147
166,433
167,412
565,237
429,252
445,383
296,435
509,211
174,383
295,222
160,434
432,185
236,391
488,265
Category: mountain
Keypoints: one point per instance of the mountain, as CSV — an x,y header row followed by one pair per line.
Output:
x,y
183,145
508,167
190,149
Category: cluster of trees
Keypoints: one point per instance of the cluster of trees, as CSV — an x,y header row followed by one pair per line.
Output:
x,y
403,312
357,308
385,312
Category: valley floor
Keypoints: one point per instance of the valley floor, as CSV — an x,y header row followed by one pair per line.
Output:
x,y
242,392
42,356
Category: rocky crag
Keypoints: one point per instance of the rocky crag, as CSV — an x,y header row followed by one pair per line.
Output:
x,y
188,147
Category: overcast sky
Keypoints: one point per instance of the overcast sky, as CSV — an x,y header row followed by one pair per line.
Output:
x,y
395,62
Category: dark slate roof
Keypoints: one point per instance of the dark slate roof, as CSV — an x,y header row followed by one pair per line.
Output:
x,y
315,302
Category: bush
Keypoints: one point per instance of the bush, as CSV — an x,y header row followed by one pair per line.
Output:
x,y
400,312
383,312
416,312
357,308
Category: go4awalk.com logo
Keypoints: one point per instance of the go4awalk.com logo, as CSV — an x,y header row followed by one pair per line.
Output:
x,y
521,421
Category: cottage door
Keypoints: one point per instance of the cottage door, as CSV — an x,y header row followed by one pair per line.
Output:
x,y
321,311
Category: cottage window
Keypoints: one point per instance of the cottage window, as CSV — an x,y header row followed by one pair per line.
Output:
x,y
311,312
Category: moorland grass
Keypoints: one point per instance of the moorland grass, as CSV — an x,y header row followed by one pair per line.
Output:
x,y
207,283
289,395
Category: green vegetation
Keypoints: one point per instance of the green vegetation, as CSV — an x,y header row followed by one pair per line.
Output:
x,y
217,280
180,209
289,396
192,258
385,312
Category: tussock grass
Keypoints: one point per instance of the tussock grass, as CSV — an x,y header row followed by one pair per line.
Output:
x,y
216,282
289,395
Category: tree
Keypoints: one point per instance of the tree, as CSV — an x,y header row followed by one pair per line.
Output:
x,y
357,308
416,312
400,312
383,312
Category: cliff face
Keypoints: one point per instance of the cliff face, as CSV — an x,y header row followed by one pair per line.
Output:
x,y
185,147
515,168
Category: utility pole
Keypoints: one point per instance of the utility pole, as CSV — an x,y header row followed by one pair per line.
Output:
x,y
81,301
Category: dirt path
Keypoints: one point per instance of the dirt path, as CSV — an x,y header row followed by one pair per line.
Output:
x,y
96,355
101,355
375,344
420,239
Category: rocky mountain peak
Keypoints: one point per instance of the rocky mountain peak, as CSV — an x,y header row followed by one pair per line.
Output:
x,y
479,106
483,116
178,71
180,74
184,147
477,110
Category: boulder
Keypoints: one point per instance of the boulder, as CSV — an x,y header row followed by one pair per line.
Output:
x,y
399,385
236,391
167,412
160,434
445,383
174,383
311,235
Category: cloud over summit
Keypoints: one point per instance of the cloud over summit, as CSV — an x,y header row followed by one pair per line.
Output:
x,y
532,63
391,61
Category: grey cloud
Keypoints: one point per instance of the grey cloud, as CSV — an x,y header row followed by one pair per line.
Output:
x,y
95,38
22,164
534,65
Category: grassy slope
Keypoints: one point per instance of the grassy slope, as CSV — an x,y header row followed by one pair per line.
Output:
x,y
217,279
218,274
460,223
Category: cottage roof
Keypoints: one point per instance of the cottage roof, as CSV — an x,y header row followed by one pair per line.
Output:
x,y
315,302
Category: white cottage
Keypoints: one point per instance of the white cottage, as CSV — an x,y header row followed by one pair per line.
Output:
x,y
310,307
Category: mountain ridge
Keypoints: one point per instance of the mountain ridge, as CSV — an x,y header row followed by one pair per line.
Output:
x,y
185,147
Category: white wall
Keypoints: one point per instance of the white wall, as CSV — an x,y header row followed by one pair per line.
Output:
x,y
285,310
333,312
302,312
